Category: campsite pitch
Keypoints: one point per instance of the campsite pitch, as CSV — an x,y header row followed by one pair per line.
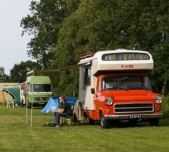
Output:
x,y
18,136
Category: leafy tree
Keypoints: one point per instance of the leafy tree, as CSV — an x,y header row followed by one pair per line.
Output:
x,y
1,70
43,23
3,76
104,24
19,71
161,71
65,29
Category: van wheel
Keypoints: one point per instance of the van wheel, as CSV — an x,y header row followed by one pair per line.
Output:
x,y
154,122
104,123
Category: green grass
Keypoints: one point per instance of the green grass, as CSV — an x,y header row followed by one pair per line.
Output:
x,y
17,136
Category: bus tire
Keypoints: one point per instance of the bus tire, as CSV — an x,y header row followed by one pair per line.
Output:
x,y
103,122
29,105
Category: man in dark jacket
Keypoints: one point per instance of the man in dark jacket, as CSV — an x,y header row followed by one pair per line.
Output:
x,y
64,110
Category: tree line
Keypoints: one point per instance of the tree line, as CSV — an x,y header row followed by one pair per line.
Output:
x,y
64,29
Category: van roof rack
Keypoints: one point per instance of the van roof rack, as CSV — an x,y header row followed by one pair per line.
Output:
x,y
87,55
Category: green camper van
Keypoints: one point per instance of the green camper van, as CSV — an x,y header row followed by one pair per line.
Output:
x,y
38,89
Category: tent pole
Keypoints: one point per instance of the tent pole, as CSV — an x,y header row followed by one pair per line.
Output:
x,y
26,113
32,99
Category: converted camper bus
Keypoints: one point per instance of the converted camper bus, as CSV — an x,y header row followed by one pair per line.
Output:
x,y
114,86
38,90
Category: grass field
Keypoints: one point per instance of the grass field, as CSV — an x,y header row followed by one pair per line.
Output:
x,y
17,136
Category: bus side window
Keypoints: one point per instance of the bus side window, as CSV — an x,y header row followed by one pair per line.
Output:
x,y
87,76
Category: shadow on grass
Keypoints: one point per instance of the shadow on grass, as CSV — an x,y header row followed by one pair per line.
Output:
x,y
126,124
118,124
164,122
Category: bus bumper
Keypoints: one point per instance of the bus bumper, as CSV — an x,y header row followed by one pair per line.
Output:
x,y
133,116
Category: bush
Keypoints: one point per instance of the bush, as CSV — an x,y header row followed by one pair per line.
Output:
x,y
165,106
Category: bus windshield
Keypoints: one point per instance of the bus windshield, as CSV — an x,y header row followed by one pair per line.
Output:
x,y
127,82
40,87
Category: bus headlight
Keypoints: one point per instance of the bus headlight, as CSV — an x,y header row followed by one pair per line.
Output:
x,y
109,101
158,99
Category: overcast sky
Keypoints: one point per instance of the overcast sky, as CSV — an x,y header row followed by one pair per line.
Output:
x,y
13,46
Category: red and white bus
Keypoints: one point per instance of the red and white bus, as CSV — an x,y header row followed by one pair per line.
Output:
x,y
114,86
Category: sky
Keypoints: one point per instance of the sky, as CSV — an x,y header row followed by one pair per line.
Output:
x,y
13,46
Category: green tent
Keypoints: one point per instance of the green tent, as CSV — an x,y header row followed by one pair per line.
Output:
x,y
14,91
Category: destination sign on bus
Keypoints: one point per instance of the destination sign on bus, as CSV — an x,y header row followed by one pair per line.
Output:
x,y
127,66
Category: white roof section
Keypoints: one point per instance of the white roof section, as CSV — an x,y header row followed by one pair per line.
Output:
x,y
118,64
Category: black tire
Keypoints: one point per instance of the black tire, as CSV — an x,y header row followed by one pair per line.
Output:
x,y
29,105
154,122
103,122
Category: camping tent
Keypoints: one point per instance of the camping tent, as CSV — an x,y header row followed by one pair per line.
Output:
x,y
5,97
53,103
14,91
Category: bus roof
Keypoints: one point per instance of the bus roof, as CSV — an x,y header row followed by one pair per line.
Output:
x,y
119,60
38,80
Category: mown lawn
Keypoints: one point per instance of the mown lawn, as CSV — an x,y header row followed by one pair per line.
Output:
x,y
17,136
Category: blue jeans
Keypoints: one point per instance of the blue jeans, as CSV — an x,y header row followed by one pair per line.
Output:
x,y
57,117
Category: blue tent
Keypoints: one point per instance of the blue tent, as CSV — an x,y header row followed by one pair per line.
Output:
x,y
71,100
53,103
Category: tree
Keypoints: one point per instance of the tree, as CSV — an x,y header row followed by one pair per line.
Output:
x,y
65,29
19,71
104,24
3,76
43,24
1,70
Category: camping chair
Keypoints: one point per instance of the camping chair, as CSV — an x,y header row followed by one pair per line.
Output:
x,y
66,120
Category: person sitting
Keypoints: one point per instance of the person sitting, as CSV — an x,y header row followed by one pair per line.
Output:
x,y
64,110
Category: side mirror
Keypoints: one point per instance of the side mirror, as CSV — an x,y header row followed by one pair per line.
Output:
x,y
92,90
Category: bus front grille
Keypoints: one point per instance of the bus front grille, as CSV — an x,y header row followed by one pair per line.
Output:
x,y
133,107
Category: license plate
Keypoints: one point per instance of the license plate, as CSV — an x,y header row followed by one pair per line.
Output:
x,y
135,116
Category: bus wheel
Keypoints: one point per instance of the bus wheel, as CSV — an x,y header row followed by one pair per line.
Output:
x,y
104,123
29,105
154,122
